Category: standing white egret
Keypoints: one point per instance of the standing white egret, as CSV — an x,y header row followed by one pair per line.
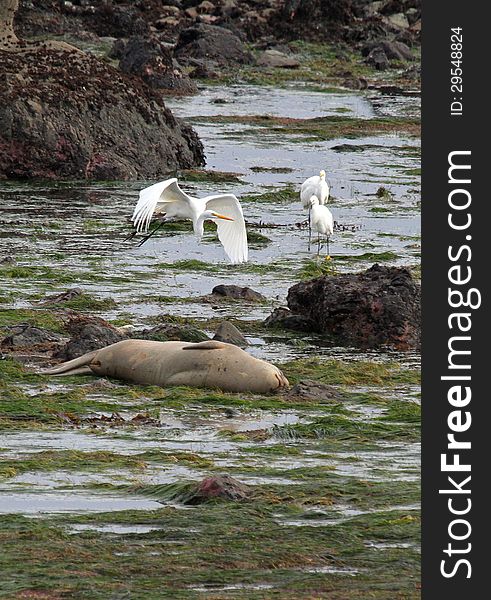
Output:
x,y
314,186
322,222
167,200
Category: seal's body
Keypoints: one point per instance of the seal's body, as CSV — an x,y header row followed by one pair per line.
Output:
x,y
207,364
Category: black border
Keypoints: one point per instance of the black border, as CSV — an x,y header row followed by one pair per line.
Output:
x,y
441,134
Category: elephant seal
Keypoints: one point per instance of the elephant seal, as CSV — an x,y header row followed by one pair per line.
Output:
x,y
210,364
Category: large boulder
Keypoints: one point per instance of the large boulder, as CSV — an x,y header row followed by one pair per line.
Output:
x,y
376,308
65,114
152,61
211,43
88,334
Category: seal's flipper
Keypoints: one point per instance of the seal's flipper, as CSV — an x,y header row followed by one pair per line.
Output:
x,y
211,345
76,366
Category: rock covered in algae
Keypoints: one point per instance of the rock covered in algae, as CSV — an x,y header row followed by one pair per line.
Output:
x,y
378,307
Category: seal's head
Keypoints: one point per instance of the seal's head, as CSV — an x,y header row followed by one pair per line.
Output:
x,y
273,378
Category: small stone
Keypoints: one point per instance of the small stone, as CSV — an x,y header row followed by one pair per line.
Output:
x,y
237,293
218,486
227,332
208,19
63,297
192,13
168,332
398,20
170,11
314,390
206,7
378,59
27,336
203,72
166,22
274,58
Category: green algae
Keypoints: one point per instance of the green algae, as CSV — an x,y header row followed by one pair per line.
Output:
x,y
341,428
285,194
208,176
350,373
319,128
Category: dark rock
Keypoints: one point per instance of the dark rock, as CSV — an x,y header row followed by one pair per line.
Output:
x,y
8,261
28,336
168,332
355,83
203,71
218,487
152,61
118,21
237,293
211,42
117,49
88,333
227,332
312,19
63,297
314,390
378,59
391,7
284,319
65,114
378,307
347,148
396,50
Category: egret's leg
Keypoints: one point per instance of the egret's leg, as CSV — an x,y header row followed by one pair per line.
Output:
x,y
310,231
328,254
154,230
318,244
130,236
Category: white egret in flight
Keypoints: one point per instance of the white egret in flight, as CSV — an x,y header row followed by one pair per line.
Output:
x,y
322,222
167,200
314,186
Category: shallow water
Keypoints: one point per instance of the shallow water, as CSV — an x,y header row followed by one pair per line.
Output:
x,y
78,228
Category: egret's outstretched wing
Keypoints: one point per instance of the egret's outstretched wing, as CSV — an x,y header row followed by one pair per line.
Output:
x,y
154,198
232,234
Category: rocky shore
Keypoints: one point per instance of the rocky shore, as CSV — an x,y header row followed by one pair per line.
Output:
x,y
94,108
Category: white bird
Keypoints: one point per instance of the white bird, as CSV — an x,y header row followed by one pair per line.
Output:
x,y
167,200
314,186
322,222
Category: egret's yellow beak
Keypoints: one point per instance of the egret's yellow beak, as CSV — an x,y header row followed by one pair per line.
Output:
x,y
217,216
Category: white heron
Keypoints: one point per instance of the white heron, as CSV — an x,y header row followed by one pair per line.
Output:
x,y
314,186
167,200
322,222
